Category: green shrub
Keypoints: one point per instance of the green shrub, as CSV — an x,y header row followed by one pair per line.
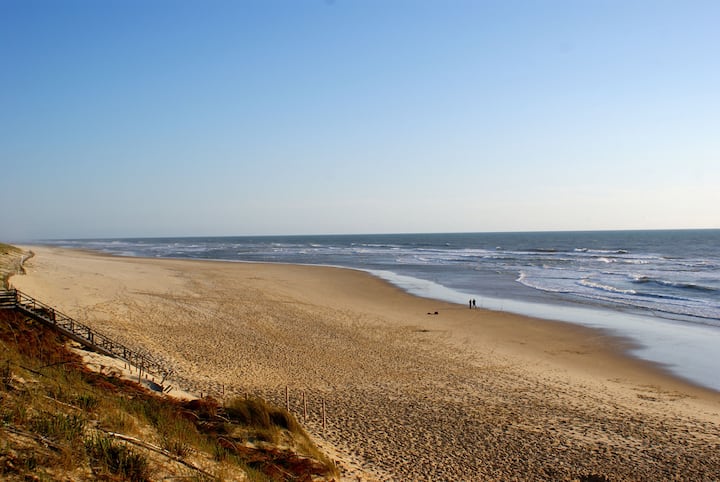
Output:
x,y
118,458
87,402
59,426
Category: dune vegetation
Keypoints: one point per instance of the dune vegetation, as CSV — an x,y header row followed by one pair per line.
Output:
x,y
61,421
11,259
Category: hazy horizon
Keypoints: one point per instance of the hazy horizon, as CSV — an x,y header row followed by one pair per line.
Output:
x,y
310,235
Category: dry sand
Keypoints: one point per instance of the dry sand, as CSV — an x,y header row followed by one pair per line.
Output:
x,y
461,395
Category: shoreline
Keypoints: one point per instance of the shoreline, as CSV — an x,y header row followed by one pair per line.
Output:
x,y
623,345
685,348
656,346
373,351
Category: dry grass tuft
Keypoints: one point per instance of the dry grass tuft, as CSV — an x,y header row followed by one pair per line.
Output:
x,y
56,417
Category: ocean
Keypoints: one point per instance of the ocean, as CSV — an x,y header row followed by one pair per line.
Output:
x,y
661,289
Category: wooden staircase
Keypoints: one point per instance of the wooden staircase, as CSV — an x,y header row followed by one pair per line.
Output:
x,y
22,303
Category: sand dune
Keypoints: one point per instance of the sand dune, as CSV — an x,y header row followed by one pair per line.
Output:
x,y
462,395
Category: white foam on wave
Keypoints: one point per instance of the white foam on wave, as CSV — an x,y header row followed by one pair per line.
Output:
x,y
605,291
602,287
420,287
563,281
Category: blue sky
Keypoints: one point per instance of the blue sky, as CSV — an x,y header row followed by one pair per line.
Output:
x,y
168,118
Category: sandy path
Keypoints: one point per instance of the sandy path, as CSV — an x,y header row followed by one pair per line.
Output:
x,y
463,395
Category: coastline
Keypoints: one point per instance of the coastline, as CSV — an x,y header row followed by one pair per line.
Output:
x,y
685,349
381,361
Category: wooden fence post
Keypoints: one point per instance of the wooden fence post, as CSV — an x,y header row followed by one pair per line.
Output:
x,y
304,406
323,413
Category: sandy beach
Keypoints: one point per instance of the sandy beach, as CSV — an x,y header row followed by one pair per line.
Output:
x,y
410,395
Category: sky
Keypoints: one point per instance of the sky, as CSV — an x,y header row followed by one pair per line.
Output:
x,y
126,118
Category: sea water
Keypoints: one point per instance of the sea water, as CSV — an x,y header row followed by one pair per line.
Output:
x,y
659,288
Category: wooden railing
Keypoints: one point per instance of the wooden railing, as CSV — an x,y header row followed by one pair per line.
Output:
x,y
29,306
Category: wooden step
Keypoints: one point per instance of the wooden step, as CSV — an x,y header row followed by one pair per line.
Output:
x,y
7,299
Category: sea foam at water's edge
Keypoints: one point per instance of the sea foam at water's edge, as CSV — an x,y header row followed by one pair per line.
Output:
x,y
688,350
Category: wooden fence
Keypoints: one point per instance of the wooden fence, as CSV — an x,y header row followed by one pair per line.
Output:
x,y
17,300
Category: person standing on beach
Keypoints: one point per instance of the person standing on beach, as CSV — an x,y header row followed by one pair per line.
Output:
x,y
474,305
470,304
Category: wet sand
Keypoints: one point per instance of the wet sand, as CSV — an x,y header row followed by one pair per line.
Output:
x,y
461,395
